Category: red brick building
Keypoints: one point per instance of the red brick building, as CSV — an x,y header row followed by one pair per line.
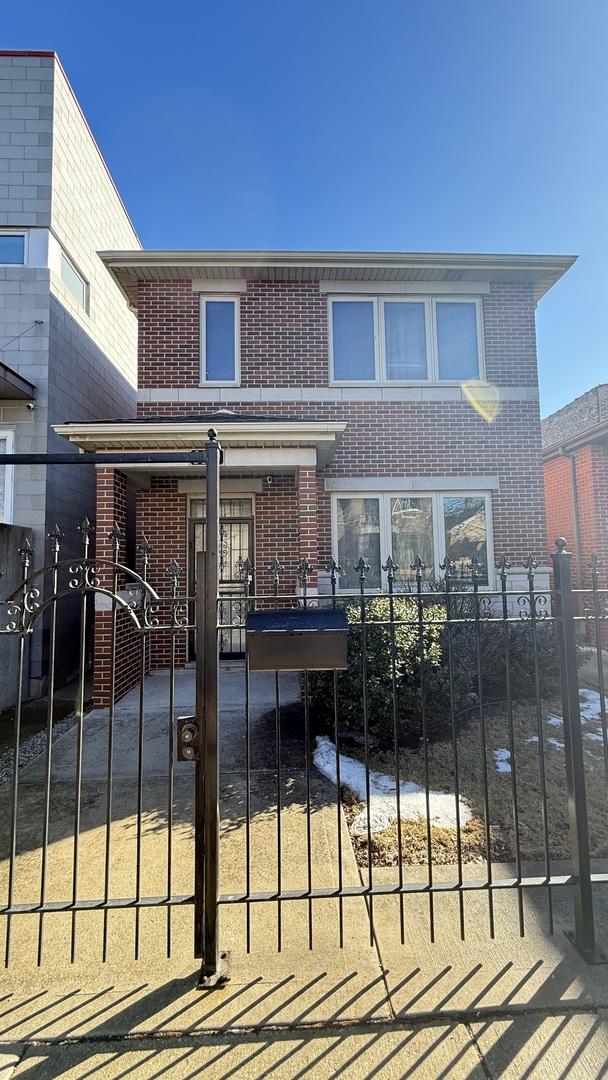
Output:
x,y
575,455
367,404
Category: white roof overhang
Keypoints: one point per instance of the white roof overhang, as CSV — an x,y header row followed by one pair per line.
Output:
x,y
130,267
248,446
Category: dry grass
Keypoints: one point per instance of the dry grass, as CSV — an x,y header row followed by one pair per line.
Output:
x,y
528,795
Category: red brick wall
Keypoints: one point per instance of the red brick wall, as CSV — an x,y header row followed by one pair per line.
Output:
x,y
112,509
591,467
162,518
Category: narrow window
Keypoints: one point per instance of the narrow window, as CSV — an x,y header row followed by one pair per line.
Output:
x,y
358,523
466,532
405,340
412,532
6,476
353,340
12,249
219,341
457,346
74,281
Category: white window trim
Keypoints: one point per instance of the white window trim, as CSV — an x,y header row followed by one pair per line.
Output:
x,y
236,300
9,476
437,497
17,232
432,357
87,288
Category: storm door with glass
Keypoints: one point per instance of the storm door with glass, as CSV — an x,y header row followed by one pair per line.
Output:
x,y
236,546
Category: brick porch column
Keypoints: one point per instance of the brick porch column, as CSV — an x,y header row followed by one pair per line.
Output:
x,y
111,510
308,529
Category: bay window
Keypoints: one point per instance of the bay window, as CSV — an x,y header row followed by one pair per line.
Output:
x,y
399,340
404,526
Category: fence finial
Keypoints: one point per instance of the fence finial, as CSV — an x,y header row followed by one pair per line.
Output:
x,y
275,568
26,552
55,536
247,570
448,566
334,570
362,568
173,570
304,571
390,567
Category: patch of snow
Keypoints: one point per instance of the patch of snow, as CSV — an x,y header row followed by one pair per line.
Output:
x,y
556,743
532,739
591,704
383,794
555,721
594,736
502,759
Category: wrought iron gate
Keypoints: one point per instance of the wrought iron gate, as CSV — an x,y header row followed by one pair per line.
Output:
x,y
64,792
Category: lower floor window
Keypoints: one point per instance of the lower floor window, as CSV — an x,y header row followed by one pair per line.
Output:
x,y
405,526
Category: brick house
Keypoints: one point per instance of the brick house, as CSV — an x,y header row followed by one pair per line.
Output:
x,y
367,404
575,456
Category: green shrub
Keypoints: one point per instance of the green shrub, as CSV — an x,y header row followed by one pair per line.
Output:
x,y
401,690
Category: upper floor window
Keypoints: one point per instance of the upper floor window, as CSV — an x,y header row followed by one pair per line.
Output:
x,y
12,249
390,339
74,281
220,340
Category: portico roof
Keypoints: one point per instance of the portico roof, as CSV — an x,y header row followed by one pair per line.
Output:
x,y
250,442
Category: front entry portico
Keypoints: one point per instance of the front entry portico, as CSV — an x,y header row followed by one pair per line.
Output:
x,y
273,506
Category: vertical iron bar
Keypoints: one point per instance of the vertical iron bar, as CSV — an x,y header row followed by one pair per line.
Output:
x,y
503,566
419,567
26,553
334,571
174,574
276,569
475,571
55,537
304,571
362,568
391,568
600,660
210,749
575,768
248,580
110,752
199,810
448,567
86,530
531,567
140,761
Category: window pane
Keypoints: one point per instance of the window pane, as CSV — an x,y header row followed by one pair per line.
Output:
x,y
12,249
466,533
3,450
353,339
73,281
359,534
405,341
219,340
457,341
412,532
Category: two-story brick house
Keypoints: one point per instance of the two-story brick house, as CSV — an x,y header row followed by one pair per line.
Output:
x,y
367,404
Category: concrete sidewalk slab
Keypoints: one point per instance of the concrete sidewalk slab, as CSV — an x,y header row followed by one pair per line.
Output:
x,y
445,1050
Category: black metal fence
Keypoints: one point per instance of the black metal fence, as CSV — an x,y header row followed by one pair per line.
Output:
x,y
442,670
490,703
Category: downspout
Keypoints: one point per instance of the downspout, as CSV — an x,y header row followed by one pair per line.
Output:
x,y
578,556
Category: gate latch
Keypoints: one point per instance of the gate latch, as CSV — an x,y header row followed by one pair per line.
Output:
x,y
187,738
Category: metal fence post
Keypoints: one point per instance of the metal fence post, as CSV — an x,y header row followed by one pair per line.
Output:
x,y
213,969
584,934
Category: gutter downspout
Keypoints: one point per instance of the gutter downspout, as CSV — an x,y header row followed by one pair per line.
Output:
x,y
578,557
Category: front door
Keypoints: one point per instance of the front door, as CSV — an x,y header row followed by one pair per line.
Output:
x,y
236,545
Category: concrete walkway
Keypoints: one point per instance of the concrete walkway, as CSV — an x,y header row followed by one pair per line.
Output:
x,y
488,1008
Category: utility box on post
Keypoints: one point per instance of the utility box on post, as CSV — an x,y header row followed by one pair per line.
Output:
x,y
296,640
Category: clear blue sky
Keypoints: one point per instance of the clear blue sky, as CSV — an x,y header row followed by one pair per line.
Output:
x,y
387,124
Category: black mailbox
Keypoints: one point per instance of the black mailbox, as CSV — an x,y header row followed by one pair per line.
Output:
x,y
296,640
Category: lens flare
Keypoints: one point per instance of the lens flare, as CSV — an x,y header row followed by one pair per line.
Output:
x,y
484,397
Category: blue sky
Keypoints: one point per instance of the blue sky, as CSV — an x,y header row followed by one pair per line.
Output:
x,y
389,125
